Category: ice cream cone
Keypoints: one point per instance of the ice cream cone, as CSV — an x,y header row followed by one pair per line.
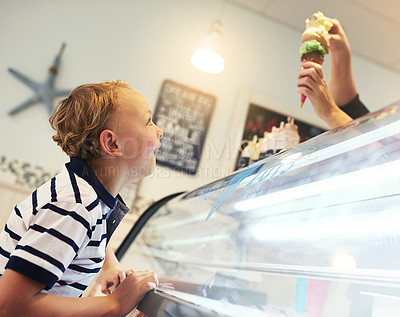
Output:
x,y
313,56
315,41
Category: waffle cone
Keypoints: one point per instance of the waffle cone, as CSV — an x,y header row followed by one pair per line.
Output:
x,y
314,56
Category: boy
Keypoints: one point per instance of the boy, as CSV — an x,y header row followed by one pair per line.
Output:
x,y
55,241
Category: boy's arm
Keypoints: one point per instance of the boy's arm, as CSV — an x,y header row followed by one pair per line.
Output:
x,y
112,273
110,259
20,296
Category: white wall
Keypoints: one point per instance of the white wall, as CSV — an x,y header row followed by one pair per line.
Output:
x,y
145,42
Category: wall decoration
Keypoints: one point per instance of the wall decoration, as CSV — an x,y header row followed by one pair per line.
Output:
x,y
23,173
266,133
44,92
184,115
241,128
260,119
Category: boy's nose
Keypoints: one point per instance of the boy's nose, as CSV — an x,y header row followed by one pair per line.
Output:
x,y
160,133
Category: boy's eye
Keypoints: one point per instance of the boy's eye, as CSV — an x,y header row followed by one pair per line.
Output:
x,y
150,121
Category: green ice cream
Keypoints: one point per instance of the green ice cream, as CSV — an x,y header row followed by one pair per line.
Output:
x,y
312,45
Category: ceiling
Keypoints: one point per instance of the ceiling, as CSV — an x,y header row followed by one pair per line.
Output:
x,y
372,26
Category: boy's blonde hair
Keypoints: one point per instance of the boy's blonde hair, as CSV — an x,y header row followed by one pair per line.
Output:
x,y
80,118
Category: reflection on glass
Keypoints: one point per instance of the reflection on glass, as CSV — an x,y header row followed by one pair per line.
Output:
x,y
311,231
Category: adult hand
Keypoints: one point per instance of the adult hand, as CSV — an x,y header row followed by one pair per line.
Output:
x,y
338,41
311,82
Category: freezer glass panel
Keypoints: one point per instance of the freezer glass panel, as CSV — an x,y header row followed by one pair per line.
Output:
x,y
311,231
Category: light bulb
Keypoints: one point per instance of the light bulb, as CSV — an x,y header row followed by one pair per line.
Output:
x,y
208,61
207,57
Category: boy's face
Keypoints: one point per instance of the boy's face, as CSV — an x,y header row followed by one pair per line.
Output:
x,y
137,136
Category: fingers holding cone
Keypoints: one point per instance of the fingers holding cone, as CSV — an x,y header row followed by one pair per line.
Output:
x,y
315,41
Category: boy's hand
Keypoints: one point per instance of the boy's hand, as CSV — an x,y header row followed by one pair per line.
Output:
x,y
111,278
108,281
132,290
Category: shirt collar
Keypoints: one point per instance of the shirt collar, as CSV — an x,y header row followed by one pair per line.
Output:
x,y
84,171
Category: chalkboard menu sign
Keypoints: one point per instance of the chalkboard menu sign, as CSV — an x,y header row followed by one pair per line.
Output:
x,y
184,114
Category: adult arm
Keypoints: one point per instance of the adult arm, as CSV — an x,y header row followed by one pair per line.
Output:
x,y
311,82
341,80
355,108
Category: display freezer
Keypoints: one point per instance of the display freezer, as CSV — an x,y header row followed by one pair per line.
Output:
x,y
311,231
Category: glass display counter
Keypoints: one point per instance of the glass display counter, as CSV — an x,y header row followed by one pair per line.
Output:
x,y
311,231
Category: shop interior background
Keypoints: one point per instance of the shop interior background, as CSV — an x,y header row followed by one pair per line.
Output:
x,y
147,42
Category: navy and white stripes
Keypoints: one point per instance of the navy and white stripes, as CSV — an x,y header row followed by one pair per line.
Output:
x,y
53,190
58,235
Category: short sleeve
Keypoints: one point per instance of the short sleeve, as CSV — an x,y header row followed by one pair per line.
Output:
x,y
58,231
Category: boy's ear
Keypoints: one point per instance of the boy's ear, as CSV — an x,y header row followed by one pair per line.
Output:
x,y
109,144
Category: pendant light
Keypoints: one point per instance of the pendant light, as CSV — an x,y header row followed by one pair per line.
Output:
x,y
208,57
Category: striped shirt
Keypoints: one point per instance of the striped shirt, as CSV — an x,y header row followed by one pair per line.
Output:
x,y
58,235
